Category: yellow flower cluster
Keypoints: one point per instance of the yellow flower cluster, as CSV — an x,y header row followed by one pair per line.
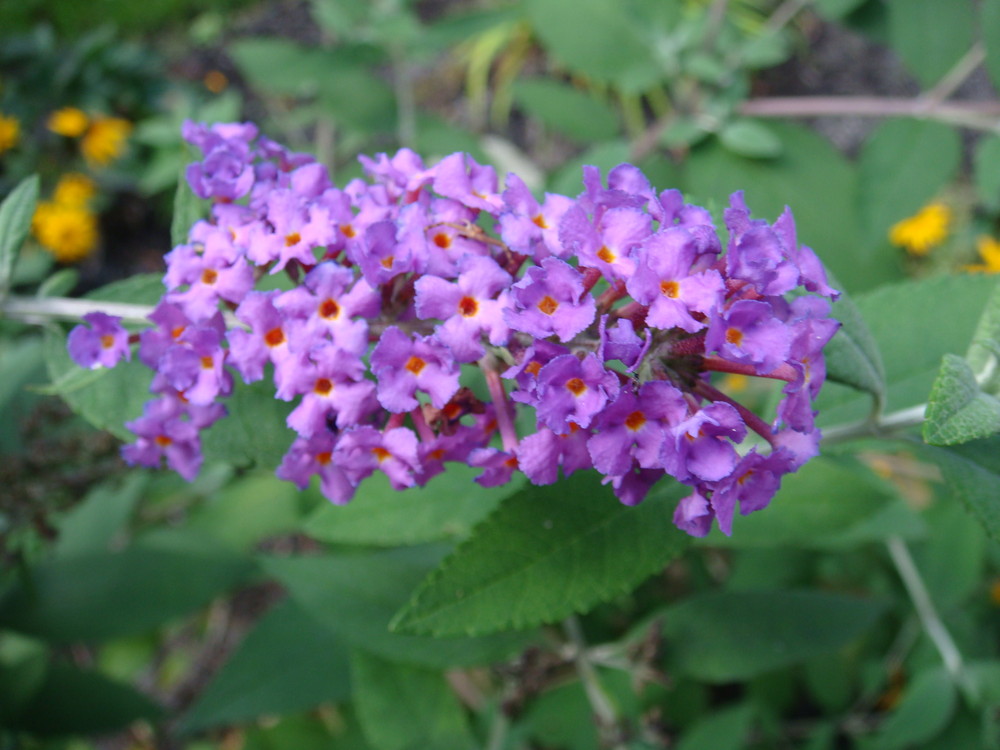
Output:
x,y
10,132
66,225
103,139
989,251
924,230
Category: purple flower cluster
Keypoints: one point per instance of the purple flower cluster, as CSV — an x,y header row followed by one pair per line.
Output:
x,y
606,315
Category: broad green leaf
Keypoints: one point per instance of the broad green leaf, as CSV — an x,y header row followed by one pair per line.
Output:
x,y
852,356
836,9
355,595
928,704
957,410
289,662
188,208
603,41
15,221
989,23
254,431
24,663
73,701
278,66
725,729
750,138
986,168
893,184
983,354
930,35
106,397
248,509
815,506
357,97
568,110
544,554
96,596
449,506
971,471
953,573
94,524
22,366
809,176
726,636
403,707
905,320
309,732
568,180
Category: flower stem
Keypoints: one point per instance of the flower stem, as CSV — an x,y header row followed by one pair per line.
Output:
x,y
505,422
875,427
605,714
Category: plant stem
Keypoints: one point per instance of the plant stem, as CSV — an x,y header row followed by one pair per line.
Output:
x,y
604,712
875,427
974,115
929,618
45,309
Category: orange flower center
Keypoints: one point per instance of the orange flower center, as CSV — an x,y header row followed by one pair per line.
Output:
x,y
292,239
442,240
387,261
323,458
329,309
323,386
348,231
207,363
540,222
533,367
606,255
209,276
734,336
548,305
381,453
670,288
576,386
163,441
635,420
274,337
107,341
468,306
414,364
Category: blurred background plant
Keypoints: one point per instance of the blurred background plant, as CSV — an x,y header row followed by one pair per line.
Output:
x,y
138,611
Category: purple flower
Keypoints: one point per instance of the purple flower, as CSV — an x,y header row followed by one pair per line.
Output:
x,y
608,243
498,466
573,391
404,365
266,341
529,228
194,366
332,386
622,343
540,454
312,456
550,299
468,307
460,178
664,281
702,445
103,344
161,432
362,450
748,332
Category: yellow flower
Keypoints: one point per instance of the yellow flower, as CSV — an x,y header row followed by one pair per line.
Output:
x,y
68,121
74,190
922,231
10,132
989,251
68,232
105,140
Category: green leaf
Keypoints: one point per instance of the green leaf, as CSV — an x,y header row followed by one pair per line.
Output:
x,y
278,66
983,354
289,662
930,35
355,595
106,397
188,208
546,553
986,170
24,663
568,180
94,524
971,471
813,509
403,707
449,506
254,431
894,184
928,704
603,41
73,701
814,180
15,221
725,729
750,138
905,319
989,24
834,10
566,109
96,596
726,636
957,410
852,356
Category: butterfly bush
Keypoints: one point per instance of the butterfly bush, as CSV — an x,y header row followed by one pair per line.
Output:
x,y
594,324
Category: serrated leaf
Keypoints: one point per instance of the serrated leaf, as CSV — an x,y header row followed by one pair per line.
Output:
x,y
403,707
750,138
983,354
957,410
356,595
449,506
93,524
928,704
726,636
15,221
971,471
930,35
573,537
73,701
289,662
96,596
254,431
893,185
566,109
852,356
905,320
